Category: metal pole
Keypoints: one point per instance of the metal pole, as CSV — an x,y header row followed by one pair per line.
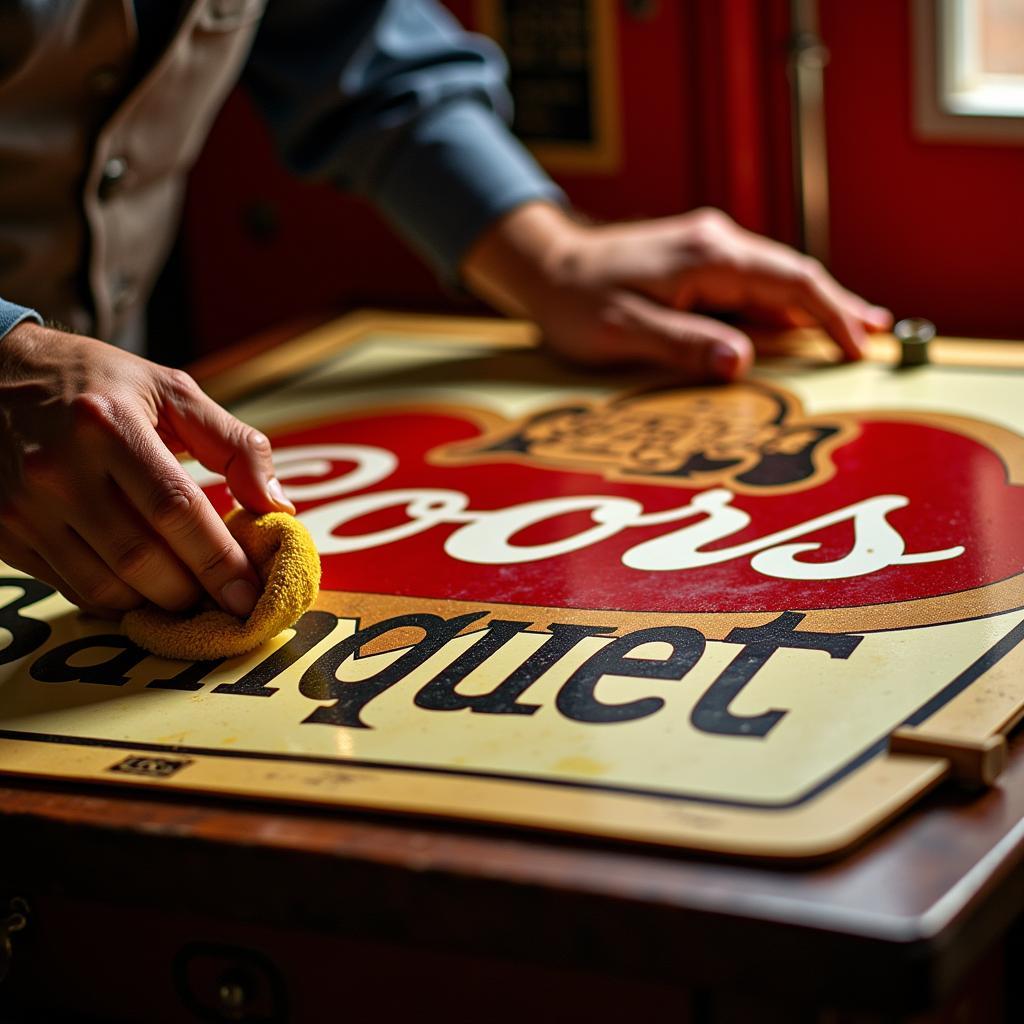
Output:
x,y
807,60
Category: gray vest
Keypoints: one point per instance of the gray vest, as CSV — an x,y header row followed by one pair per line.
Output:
x,y
91,188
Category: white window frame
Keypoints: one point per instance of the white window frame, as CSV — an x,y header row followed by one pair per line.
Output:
x,y
953,101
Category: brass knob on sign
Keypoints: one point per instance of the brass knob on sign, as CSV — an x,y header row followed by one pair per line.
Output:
x,y
914,335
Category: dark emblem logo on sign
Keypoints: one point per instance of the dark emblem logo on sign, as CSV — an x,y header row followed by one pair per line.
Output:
x,y
152,767
751,438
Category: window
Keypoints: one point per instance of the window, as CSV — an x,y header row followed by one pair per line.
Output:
x,y
982,43
970,69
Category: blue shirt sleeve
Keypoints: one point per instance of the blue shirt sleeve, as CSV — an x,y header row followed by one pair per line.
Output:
x,y
12,315
394,101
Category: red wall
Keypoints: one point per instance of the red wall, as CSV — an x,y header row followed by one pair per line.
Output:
x,y
930,229
321,252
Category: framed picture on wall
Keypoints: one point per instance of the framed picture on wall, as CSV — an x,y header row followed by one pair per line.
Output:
x,y
563,74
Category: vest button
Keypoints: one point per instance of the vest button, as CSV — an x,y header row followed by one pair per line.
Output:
x,y
104,81
114,171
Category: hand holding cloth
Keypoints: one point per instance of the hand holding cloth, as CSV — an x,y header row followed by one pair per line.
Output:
x,y
283,553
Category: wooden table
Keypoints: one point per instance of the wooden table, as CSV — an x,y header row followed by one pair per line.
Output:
x,y
156,906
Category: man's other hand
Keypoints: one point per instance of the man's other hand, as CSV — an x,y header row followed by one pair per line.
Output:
x,y
634,292
92,498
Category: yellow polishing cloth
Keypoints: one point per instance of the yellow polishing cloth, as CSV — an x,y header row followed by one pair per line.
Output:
x,y
287,561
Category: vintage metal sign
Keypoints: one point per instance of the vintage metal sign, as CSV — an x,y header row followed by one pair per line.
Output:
x,y
684,615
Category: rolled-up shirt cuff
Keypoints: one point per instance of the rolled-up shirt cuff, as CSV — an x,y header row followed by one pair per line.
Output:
x,y
457,170
11,315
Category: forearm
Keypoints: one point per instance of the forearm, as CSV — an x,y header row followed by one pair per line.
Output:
x,y
397,103
517,261
458,174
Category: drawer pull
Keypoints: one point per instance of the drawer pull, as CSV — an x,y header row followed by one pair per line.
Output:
x,y
15,921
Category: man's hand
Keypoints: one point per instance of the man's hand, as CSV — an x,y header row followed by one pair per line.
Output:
x,y
92,499
630,292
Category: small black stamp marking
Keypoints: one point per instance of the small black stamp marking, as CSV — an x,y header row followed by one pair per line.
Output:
x,y
153,767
